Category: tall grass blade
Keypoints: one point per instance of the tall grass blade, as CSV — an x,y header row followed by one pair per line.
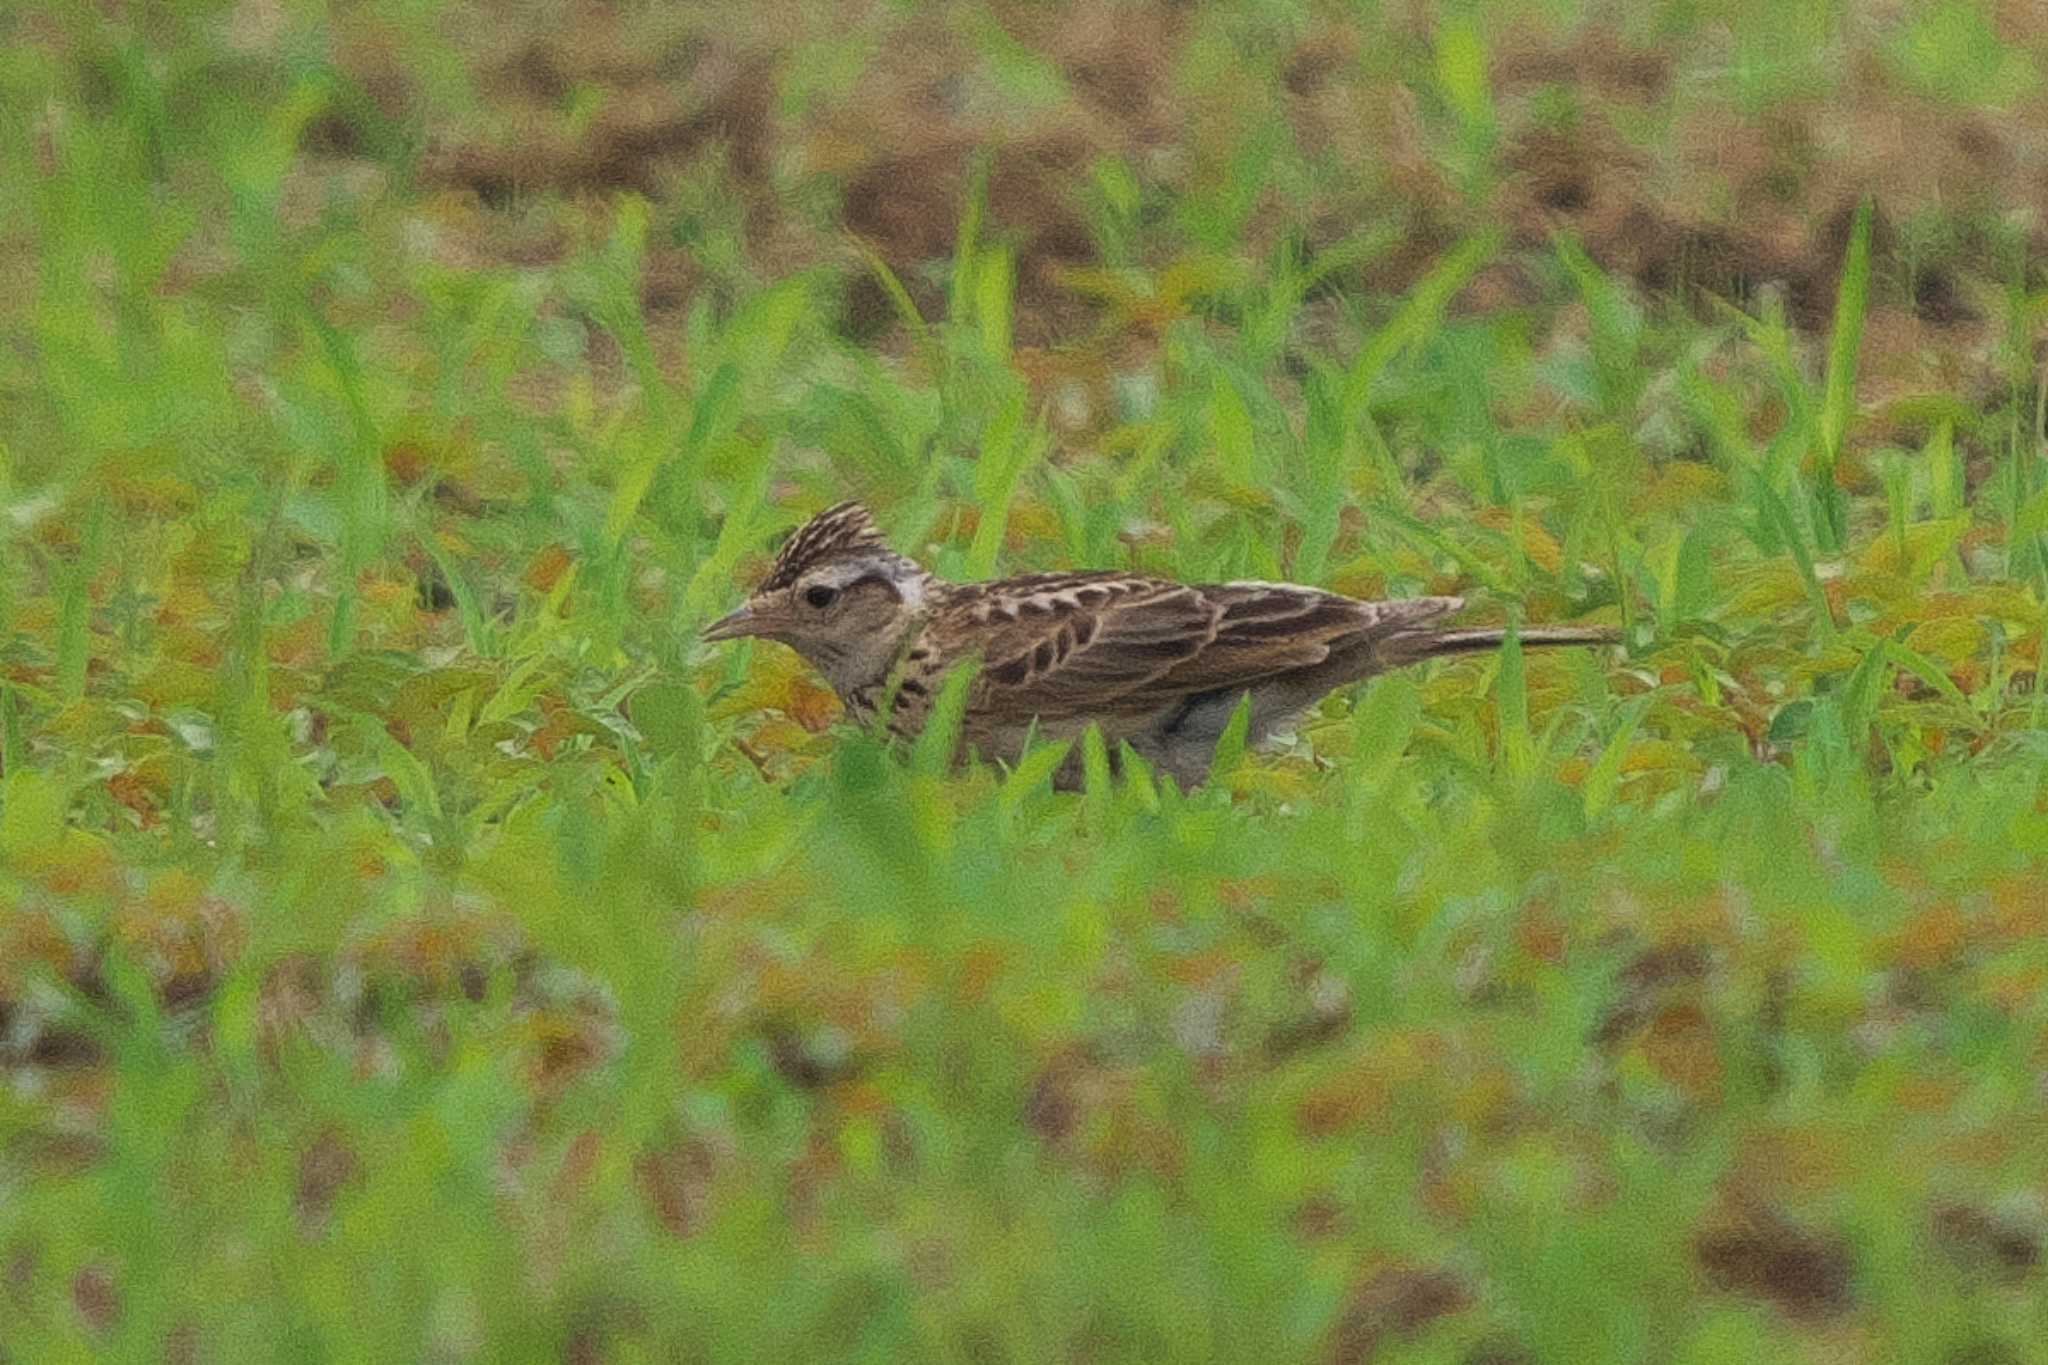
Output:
x,y
1838,397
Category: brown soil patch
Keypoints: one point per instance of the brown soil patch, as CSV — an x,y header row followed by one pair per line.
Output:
x,y
1758,1252
1647,153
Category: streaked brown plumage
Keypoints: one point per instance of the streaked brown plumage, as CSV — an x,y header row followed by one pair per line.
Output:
x,y
1155,663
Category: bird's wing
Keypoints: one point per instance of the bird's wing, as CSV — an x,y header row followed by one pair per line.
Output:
x,y
1077,646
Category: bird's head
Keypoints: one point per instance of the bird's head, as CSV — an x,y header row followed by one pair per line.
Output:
x,y
838,595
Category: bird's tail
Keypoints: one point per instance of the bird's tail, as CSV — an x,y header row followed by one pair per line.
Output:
x,y
1409,647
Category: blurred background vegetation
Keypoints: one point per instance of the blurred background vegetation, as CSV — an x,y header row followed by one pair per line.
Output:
x,y
414,946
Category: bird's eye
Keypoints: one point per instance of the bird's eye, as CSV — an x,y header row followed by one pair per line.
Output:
x,y
820,596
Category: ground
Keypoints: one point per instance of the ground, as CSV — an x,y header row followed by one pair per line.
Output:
x,y
400,906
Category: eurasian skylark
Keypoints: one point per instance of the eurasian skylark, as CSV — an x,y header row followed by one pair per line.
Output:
x,y
1155,663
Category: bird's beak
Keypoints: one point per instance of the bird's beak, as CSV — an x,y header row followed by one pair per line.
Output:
x,y
733,625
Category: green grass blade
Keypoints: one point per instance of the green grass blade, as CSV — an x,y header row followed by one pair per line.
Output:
x,y
1418,317
1518,749
1597,792
939,742
1838,398
1230,746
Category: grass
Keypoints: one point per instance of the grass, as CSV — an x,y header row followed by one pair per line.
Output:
x,y
414,945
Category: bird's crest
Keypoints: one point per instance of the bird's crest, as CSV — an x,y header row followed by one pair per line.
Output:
x,y
840,531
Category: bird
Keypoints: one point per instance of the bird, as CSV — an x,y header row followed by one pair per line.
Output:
x,y
1153,663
